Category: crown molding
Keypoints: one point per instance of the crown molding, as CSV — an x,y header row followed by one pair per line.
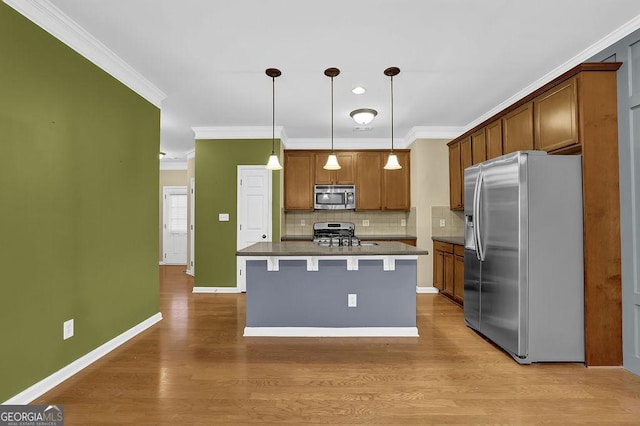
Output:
x,y
322,143
173,165
191,154
581,57
47,16
433,132
241,132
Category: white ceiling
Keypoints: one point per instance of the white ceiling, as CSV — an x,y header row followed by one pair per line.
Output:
x,y
459,59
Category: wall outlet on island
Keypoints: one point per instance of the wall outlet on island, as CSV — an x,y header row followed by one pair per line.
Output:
x,y
442,223
352,300
365,222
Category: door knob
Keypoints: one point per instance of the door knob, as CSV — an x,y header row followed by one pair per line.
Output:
x,y
264,236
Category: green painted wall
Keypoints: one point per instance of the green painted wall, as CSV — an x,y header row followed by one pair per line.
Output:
x,y
216,187
78,206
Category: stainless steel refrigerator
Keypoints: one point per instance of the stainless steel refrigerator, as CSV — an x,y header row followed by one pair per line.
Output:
x,y
523,260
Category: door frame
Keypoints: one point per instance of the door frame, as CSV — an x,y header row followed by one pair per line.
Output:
x,y
166,190
191,258
241,282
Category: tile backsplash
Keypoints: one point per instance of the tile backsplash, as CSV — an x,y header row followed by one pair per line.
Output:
x,y
380,223
453,222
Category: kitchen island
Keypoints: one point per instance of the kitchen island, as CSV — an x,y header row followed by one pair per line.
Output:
x,y
301,289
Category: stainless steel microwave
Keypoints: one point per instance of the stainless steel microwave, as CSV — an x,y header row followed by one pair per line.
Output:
x,y
334,197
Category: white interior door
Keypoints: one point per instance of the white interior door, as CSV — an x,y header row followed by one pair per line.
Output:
x,y
174,241
254,211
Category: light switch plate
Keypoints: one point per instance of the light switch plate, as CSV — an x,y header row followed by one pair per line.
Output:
x,y
223,217
67,329
442,223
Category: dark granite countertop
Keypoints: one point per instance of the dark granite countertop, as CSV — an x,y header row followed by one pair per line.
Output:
x,y
307,248
451,240
362,237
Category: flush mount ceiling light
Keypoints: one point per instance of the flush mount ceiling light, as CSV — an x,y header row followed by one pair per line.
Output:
x,y
392,161
358,90
162,154
363,115
332,161
274,163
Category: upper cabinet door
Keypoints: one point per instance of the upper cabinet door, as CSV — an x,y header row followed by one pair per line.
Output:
x,y
517,128
479,147
298,180
494,139
347,174
556,117
397,189
455,177
369,180
322,176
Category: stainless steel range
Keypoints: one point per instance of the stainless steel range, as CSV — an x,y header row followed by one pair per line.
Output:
x,y
335,234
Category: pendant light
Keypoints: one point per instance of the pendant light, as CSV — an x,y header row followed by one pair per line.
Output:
x,y
392,161
274,163
332,161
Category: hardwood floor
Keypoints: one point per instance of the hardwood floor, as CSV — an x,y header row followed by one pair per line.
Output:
x,y
194,367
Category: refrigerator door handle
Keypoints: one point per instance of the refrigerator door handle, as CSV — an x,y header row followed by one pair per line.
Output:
x,y
474,212
477,218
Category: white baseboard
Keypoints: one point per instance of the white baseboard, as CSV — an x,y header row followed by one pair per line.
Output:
x,y
190,272
48,383
426,290
161,263
216,290
331,332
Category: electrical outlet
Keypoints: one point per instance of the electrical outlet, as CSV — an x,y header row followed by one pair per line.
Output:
x,y
365,222
67,329
223,217
302,222
352,300
442,223
403,222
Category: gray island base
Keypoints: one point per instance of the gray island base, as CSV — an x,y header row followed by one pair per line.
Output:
x,y
298,289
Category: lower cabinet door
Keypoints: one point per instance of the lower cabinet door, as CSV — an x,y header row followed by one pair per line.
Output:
x,y
458,278
448,274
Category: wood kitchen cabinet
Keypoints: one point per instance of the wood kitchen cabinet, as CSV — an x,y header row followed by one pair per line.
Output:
x,y
448,270
396,191
376,189
494,139
459,159
455,177
478,146
556,117
369,180
344,176
298,180
438,267
517,129
575,113
458,273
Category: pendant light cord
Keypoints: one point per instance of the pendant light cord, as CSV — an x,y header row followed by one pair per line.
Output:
x,y
273,116
391,113
332,115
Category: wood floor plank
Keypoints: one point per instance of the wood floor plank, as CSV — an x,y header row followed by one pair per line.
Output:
x,y
194,367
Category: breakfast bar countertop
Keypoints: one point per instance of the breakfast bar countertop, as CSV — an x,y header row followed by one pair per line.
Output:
x,y
308,248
